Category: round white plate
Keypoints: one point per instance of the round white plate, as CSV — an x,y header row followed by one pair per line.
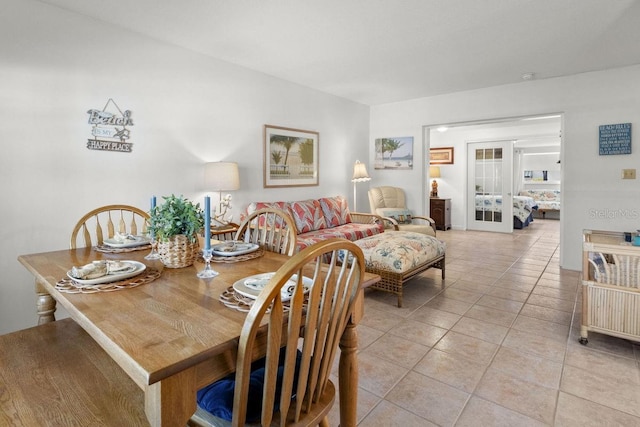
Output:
x,y
251,286
138,241
240,248
136,268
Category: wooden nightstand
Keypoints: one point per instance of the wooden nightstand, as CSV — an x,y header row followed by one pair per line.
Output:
x,y
440,212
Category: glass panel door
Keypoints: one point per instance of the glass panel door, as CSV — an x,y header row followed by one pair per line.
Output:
x,y
490,180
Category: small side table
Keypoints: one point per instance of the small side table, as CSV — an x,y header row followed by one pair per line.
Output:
x,y
224,232
440,212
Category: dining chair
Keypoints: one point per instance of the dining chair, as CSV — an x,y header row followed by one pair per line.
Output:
x,y
390,203
291,384
273,229
129,219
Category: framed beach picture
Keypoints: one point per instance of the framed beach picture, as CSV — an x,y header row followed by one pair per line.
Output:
x,y
441,156
394,153
290,157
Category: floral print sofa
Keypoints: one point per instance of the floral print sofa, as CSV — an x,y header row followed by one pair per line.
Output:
x,y
324,218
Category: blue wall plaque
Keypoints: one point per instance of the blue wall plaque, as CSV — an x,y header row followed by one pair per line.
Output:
x,y
615,139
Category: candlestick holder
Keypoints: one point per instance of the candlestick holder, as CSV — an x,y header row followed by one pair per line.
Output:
x,y
207,272
154,250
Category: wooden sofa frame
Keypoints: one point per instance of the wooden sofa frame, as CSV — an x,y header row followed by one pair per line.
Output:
x,y
393,282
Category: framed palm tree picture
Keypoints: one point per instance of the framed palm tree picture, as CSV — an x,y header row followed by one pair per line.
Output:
x,y
394,153
290,157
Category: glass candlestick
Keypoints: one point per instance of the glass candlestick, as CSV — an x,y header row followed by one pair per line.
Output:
x,y
154,250
207,272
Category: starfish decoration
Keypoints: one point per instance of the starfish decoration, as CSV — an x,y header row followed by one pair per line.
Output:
x,y
122,134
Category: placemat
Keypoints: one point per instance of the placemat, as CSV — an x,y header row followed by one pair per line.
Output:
x,y
111,250
72,287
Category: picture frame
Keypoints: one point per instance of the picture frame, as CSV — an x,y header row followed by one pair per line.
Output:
x,y
394,153
290,157
441,156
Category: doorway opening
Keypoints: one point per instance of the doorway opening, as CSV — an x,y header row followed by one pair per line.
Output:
x,y
535,164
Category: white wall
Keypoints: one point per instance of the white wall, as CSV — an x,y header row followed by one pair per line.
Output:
x,y
187,110
594,195
542,162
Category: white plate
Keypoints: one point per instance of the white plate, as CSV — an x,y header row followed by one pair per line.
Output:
x,y
137,241
257,282
240,248
136,268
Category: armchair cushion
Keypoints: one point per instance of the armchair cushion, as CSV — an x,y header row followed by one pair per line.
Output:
x,y
402,216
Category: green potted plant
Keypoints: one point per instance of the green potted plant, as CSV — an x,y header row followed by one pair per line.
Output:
x,y
175,225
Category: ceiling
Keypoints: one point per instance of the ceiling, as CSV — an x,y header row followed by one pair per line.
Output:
x,y
381,51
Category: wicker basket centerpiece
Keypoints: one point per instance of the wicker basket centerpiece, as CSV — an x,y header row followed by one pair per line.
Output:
x,y
175,225
178,251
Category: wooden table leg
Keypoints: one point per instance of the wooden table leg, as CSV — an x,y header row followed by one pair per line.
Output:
x,y
45,305
348,368
172,401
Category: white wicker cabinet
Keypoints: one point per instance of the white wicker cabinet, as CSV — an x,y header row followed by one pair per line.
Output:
x,y
611,286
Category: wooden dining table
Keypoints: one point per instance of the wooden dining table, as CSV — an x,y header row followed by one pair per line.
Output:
x,y
173,335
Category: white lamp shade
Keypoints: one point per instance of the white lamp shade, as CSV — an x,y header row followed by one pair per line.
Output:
x,y
221,176
360,172
434,171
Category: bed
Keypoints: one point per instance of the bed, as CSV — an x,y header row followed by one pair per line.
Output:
x,y
523,208
547,200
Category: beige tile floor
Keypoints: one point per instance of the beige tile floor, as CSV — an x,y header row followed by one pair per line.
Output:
x,y
495,344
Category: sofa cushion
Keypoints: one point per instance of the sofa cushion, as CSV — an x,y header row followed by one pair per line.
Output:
x,y
351,231
307,215
335,210
402,216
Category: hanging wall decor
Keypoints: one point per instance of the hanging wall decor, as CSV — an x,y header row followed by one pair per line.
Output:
x,y
394,153
441,156
290,157
109,128
614,139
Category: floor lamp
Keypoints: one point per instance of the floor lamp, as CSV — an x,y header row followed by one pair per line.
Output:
x,y
359,175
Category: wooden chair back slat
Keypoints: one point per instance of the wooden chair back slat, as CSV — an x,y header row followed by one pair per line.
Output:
x,y
92,231
272,229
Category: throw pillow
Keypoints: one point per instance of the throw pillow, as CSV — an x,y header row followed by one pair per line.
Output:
x,y
336,211
307,215
255,206
402,216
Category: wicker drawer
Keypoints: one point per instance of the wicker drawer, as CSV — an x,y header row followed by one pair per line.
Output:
x,y
611,286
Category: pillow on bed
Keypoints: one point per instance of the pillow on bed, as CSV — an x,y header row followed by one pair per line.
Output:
x,y
402,216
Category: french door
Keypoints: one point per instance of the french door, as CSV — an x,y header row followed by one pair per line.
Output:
x,y
489,189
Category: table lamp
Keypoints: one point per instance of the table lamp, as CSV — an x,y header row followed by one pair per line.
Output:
x,y
359,175
434,172
222,176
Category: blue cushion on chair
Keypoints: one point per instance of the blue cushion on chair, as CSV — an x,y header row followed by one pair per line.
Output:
x,y
217,398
